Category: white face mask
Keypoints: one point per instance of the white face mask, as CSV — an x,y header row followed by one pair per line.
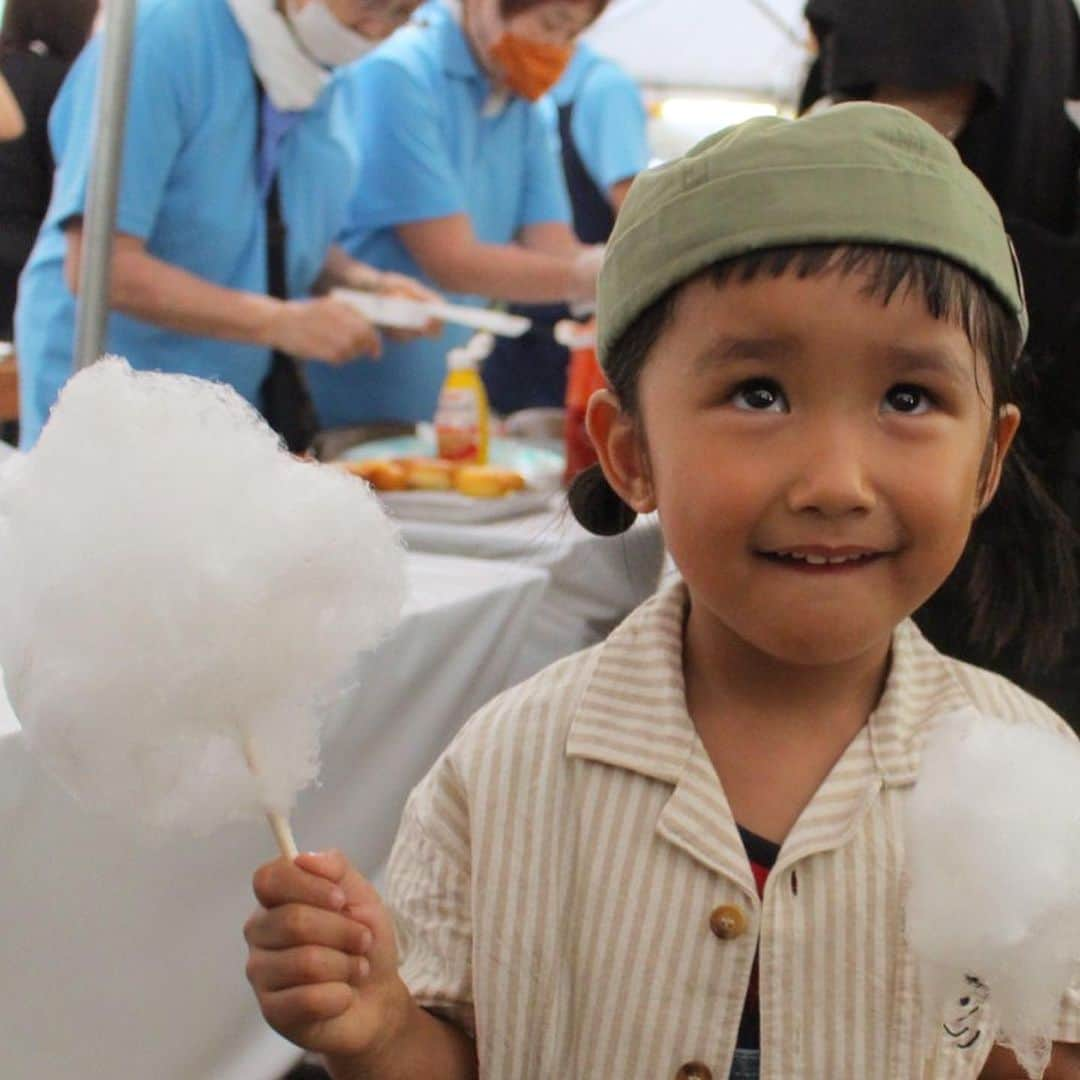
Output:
x,y
325,39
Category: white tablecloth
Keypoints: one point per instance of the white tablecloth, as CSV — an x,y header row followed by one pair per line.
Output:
x,y
595,581
121,960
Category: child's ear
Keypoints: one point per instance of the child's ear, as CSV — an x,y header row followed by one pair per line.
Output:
x,y
1008,422
620,449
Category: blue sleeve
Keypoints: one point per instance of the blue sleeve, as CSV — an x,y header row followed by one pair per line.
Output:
x,y
609,126
153,133
545,196
406,172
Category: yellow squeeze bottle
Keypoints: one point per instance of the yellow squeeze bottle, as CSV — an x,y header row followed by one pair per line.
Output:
x,y
463,417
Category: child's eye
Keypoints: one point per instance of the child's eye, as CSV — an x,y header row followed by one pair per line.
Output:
x,y
759,395
907,399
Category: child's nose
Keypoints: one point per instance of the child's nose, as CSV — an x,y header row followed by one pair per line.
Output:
x,y
832,477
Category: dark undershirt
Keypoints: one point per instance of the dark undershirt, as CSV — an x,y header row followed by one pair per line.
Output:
x,y
762,854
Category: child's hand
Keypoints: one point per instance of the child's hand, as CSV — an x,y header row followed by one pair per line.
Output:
x,y
322,957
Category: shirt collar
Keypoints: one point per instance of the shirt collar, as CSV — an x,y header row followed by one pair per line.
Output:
x,y
458,58
633,714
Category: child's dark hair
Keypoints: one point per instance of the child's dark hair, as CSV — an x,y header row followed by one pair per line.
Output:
x,y
1026,602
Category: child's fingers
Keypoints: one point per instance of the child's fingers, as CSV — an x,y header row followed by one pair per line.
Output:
x,y
299,924
336,868
284,882
303,1005
272,970
331,864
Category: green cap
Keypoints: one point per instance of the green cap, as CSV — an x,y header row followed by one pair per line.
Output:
x,y
859,173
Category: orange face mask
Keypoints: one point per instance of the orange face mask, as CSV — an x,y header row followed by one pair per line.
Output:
x,y
530,68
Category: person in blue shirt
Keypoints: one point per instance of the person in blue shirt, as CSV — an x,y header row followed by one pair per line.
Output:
x,y
598,109
600,117
459,183
205,139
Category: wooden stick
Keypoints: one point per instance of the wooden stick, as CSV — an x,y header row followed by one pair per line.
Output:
x,y
282,834
279,823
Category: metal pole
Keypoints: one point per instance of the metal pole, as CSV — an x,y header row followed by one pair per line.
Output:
x,y
99,222
779,22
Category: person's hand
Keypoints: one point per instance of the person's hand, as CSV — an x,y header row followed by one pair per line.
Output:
x,y
322,957
584,272
391,284
323,329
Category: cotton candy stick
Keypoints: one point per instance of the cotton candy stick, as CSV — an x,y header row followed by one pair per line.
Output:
x,y
183,599
279,823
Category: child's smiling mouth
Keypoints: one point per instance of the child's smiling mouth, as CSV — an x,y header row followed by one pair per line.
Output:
x,y
818,558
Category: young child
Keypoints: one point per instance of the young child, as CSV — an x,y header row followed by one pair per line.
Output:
x,y
679,854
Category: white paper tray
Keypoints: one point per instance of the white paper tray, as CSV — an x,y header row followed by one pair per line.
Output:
x,y
541,467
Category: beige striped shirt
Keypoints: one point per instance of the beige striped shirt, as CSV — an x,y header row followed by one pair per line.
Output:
x,y
556,874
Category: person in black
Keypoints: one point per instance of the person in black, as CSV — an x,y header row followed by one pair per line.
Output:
x,y
39,39
996,76
12,124
603,145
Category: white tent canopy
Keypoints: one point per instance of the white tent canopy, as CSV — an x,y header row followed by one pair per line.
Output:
x,y
753,48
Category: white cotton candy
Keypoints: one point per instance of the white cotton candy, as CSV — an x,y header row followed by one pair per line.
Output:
x,y
993,859
176,586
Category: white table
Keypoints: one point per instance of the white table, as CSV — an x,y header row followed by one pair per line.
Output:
x,y
123,960
595,581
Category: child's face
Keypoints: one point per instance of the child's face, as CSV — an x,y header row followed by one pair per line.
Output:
x,y
787,422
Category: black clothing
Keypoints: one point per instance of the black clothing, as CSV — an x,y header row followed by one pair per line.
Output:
x,y
284,397
594,217
763,855
1022,54
1024,57
26,169
530,371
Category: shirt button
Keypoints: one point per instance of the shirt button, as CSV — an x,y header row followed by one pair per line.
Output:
x,y
694,1070
728,922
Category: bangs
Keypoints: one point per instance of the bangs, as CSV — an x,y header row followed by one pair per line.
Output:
x,y
948,291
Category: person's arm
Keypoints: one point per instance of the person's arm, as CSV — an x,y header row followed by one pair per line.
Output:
x,y
1064,1064
12,123
550,238
157,292
449,252
341,269
617,193
610,129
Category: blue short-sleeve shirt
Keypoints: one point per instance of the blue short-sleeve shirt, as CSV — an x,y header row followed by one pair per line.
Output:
x,y
430,148
609,124
188,189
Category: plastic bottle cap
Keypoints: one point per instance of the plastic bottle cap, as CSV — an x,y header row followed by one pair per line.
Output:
x,y
574,335
480,346
460,359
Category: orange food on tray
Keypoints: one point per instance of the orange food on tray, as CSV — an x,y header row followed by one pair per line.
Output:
x,y
480,481
435,474
487,481
428,474
381,475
